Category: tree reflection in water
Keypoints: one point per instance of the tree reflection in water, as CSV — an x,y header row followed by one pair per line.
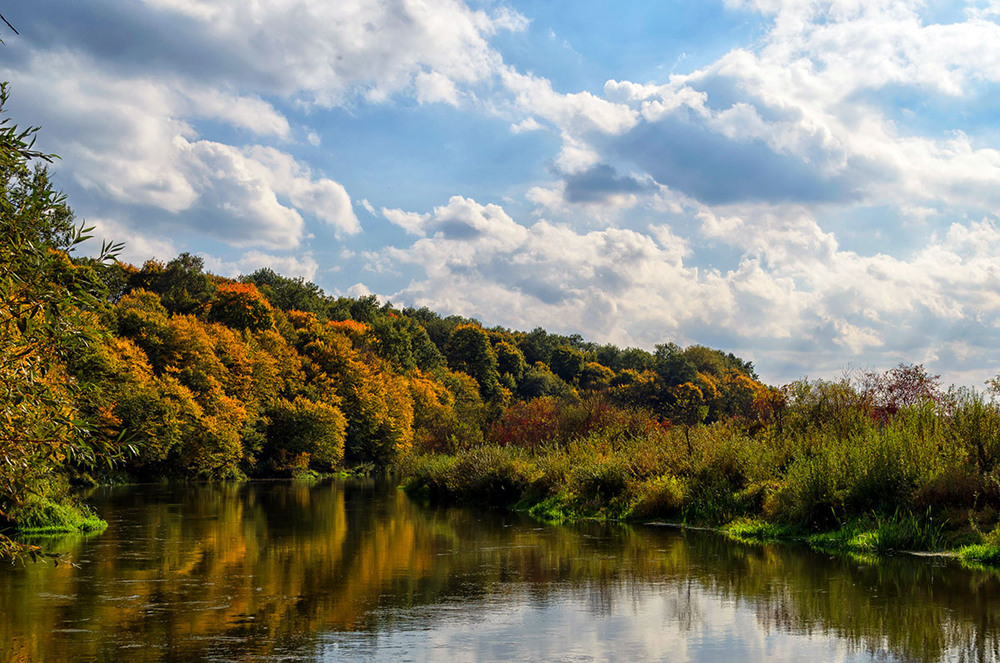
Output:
x,y
271,571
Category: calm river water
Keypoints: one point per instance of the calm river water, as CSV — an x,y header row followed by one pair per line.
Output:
x,y
356,571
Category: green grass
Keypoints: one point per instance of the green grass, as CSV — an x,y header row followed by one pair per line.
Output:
x,y
759,531
980,554
879,534
986,553
43,516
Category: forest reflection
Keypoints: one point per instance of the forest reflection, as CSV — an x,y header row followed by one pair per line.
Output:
x,y
267,571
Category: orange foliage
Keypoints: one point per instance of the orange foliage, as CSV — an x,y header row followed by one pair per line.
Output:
x,y
358,332
241,306
527,424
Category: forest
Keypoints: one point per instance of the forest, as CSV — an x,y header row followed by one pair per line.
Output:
x,y
114,372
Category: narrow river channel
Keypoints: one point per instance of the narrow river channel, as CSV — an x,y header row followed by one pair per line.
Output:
x,y
357,571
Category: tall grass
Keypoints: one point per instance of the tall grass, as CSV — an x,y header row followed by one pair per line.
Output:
x,y
827,463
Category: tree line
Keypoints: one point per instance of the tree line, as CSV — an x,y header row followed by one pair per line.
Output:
x,y
163,370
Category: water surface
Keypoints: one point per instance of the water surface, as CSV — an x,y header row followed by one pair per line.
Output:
x,y
356,571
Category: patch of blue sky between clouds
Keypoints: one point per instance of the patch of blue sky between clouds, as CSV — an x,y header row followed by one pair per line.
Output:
x,y
580,45
412,154
915,112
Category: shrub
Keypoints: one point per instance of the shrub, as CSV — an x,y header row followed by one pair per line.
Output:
x,y
661,497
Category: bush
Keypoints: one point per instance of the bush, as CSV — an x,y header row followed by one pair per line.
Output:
x,y
662,497
488,475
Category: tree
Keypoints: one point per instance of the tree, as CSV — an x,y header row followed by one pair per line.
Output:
x,y
510,363
306,427
595,376
898,388
672,366
182,283
469,351
688,408
287,294
241,306
44,303
540,381
567,362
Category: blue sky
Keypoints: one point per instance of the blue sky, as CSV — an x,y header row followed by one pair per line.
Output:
x,y
811,185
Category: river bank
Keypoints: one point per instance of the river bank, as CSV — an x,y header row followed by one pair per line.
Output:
x,y
918,482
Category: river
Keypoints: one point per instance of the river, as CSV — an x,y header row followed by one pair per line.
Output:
x,y
357,571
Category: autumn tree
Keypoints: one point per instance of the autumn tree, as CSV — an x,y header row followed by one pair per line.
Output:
x,y
308,430
595,376
44,300
898,388
241,306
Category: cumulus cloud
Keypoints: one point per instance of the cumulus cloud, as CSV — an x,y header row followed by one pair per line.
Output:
x,y
576,113
436,87
126,140
323,52
809,115
122,92
795,300
239,190
304,266
600,183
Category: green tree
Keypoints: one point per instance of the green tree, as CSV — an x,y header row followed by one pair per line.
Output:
x,y
540,381
182,283
469,351
567,362
511,364
285,293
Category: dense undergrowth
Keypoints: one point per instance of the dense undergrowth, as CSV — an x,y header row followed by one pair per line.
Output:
x,y
839,464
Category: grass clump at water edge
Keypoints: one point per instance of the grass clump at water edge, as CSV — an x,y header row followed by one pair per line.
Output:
x,y
41,515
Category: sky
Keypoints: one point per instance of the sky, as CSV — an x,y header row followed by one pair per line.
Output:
x,y
812,185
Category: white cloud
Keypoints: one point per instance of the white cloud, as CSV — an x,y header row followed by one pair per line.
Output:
x,y
138,246
575,113
411,222
330,51
124,139
435,87
126,129
358,290
321,197
529,124
251,113
304,266
794,285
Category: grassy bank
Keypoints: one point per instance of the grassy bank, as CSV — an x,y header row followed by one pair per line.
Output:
x,y
924,479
